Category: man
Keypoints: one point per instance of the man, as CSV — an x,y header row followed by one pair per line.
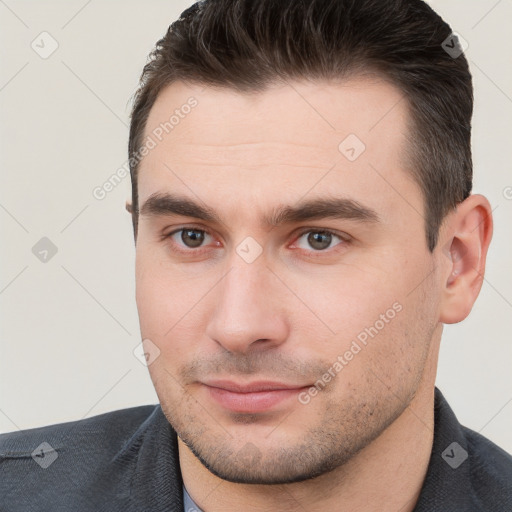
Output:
x,y
304,226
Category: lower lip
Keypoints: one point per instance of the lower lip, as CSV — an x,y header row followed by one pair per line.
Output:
x,y
258,401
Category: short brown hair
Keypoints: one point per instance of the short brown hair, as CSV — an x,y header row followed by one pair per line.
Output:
x,y
248,44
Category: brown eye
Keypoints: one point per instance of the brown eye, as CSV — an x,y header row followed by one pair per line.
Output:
x,y
189,240
192,237
318,240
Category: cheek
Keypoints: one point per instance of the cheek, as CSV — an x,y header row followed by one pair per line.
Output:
x,y
350,299
157,293
369,317
151,296
162,317
173,306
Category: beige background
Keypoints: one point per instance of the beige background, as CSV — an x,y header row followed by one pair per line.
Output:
x,y
69,326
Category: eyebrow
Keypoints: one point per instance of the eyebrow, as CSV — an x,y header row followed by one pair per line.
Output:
x,y
164,204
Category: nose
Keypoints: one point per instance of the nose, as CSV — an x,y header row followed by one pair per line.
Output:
x,y
249,314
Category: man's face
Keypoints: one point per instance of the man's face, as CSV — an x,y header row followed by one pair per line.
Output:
x,y
281,349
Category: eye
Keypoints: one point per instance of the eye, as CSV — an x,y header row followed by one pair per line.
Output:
x,y
189,238
318,240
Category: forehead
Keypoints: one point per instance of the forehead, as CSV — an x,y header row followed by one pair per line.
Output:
x,y
313,113
279,144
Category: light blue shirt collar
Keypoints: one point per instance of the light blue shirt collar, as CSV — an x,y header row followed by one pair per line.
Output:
x,y
188,503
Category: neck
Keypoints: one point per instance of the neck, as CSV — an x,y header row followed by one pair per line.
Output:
x,y
385,476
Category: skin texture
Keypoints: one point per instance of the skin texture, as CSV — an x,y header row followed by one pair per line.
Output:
x,y
364,439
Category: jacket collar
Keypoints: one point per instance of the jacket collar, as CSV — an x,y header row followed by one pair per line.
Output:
x,y
447,485
153,481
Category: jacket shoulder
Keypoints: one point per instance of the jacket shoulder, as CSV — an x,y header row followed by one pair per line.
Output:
x,y
490,471
79,465
109,429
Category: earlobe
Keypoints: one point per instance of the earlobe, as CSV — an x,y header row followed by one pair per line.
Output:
x,y
467,236
128,206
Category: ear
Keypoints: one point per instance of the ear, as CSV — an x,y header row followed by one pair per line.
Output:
x,y
129,209
467,234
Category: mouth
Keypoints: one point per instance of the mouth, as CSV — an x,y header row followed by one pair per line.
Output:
x,y
252,397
